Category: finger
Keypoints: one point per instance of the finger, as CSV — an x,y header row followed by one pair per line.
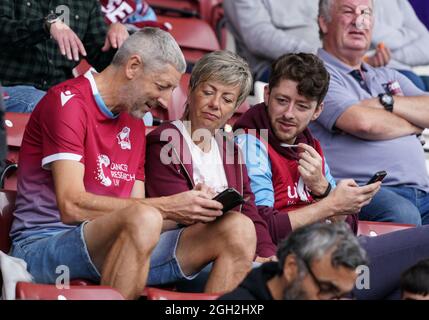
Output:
x,y
106,46
309,149
81,47
113,37
349,182
370,188
68,48
62,47
209,204
316,162
307,169
303,172
74,49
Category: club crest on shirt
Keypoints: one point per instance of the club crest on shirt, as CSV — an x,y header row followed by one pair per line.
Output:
x,y
124,138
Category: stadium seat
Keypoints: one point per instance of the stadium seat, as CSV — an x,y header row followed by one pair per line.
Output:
x,y
81,68
177,8
176,106
33,291
160,294
194,36
373,229
15,124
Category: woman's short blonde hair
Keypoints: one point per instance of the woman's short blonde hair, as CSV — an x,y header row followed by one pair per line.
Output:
x,y
226,68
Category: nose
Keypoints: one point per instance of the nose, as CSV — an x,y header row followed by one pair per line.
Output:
x,y
165,98
215,101
289,112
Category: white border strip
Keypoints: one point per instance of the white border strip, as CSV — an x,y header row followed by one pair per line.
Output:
x,y
59,156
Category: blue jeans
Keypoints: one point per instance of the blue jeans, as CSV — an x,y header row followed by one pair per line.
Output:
x,y
45,253
22,98
415,78
398,204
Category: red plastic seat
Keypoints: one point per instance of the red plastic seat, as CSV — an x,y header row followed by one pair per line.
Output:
x,y
33,291
7,207
372,228
194,36
160,294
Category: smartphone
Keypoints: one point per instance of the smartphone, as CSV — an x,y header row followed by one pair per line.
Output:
x,y
379,176
230,198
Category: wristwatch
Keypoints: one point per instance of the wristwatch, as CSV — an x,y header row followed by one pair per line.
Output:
x,y
387,101
49,20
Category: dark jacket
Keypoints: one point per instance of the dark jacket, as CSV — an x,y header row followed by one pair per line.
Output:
x,y
254,286
177,176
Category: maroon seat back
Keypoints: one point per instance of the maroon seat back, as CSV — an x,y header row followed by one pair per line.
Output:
x,y
7,207
33,291
372,228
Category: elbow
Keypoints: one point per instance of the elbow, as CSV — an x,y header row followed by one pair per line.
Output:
x,y
69,212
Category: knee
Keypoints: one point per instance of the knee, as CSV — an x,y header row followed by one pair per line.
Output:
x,y
144,224
406,212
239,235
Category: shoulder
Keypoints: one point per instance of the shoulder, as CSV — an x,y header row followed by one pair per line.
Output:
x,y
74,93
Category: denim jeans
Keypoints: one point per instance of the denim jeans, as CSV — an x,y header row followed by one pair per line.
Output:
x,y
22,98
398,204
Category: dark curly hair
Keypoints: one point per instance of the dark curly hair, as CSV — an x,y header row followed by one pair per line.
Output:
x,y
304,68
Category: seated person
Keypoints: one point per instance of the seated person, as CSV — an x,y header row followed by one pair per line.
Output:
x,y
399,28
192,151
415,282
80,200
40,50
266,29
315,262
371,118
288,172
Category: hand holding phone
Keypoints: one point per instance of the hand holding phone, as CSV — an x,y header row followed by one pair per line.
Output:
x,y
379,176
230,198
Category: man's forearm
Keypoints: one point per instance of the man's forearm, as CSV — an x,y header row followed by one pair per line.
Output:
x,y
413,109
369,122
312,213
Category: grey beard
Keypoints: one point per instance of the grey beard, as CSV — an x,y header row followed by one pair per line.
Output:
x,y
294,291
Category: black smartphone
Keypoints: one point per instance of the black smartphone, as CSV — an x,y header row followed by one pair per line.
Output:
x,y
379,176
230,198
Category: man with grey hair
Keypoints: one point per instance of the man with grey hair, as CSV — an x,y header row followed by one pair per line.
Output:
x,y
371,117
81,196
316,262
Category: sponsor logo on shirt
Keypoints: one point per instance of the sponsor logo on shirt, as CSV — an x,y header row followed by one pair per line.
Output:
x,y
124,138
110,173
65,97
298,192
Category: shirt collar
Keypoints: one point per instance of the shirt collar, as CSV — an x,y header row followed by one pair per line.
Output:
x,y
338,64
98,99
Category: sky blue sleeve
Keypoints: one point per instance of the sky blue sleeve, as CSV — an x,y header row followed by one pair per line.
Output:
x,y
258,167
328,176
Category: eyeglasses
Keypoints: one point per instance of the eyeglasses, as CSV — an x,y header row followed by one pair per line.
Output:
x,y
327,288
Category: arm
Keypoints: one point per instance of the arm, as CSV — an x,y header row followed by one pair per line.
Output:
x,y
344,111
265,245
95,40
18,34
413,51
259,34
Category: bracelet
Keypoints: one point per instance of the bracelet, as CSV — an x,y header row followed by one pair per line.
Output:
x,y
324,195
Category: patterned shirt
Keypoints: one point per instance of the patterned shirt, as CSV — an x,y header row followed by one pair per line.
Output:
x,y
28,56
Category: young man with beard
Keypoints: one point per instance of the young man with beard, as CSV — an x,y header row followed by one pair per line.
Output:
x,y
290,177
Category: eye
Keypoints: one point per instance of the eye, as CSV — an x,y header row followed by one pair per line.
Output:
x,y
304,106
282,101
161,87
228,100
207,92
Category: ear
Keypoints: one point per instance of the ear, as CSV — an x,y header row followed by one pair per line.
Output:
x,y
318,111
290,268
323,25
133,67
266,95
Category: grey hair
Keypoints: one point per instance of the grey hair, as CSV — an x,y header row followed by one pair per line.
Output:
x,y
325,9
225,67
312,242
155,47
